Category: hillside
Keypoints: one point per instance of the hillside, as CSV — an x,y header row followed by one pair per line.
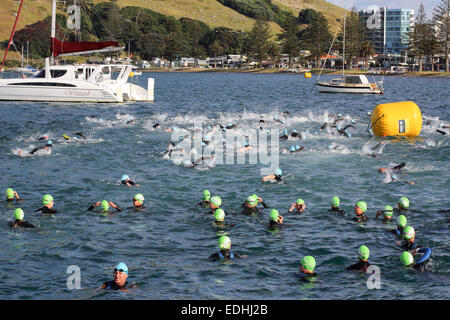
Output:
x,y
210,12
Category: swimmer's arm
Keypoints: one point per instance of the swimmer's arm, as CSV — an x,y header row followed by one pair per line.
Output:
x,y
269,177
93,206
292,207
112,204
378,214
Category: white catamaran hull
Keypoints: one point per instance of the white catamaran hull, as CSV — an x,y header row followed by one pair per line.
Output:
x,y
326,88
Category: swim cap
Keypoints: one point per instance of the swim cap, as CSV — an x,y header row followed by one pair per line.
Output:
x,y
300,201
388,211
49,142
297,147
245,144
47,199
406,258
292,148
335,202
409,233
224,243
105,205
124,177
353,121
401,221
206,195
403,202
219,215
309,263
9,193
362,205
180,138
65,136
393,176
363,253
216,201
123,266
251,200
139,197
349,134
285,132
294,131
18,214
339,115
278,172
338,128
274,215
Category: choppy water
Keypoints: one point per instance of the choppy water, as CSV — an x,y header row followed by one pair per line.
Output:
x,y
166,247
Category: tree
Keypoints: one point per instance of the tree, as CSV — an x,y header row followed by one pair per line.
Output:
x,y
420,35
441,19
317,38
216,49
258,40
354,36
273,52
289,40
366,52
307,16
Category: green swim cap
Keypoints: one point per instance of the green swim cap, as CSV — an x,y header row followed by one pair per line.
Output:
x,y
388,211
362,205
18,214
335,202
9,193
309,263
251,200
403,202
274,215
363,253
401,221
219,215
105,205
408,233
47,199
206,195
406,258
300,201
224,242
139,197
216,201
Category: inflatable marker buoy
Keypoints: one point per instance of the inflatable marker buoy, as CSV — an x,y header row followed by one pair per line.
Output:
x,y
396,119
307,74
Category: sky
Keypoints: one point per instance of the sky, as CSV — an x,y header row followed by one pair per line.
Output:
x,y
393,4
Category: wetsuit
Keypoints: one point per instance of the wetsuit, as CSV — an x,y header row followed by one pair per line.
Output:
x,y
92,208
324,126
361,218
111,285
408,246
129,181
204,203
284,137
273,224
21,224
80,134
277,177
224,255
294,134
398,167
336,209
441,132
156,126
36,150
344,132
250,211
360,266
307,276
141,207
299,149
46,210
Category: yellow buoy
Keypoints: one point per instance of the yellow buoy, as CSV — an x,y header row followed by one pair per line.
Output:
x,y
307,74
396,119
131,75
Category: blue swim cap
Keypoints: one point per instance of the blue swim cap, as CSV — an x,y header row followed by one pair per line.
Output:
x,y
245,144
294,131
282,121
338,128
123,266
209,127
393,176
339,114
353,121
297,147
349,134
292,148
180,138
49,142
284,131
224,129
330,147
124,177
203,144
278,172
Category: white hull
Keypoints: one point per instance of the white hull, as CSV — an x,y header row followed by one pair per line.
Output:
x,y
326,88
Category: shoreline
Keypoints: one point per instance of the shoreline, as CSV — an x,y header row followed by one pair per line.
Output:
x,y
430,74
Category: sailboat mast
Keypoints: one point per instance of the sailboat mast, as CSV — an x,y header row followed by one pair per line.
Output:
x,y
343,51
12,35
53,30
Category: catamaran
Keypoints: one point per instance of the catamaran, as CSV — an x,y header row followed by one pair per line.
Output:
x,y
79,82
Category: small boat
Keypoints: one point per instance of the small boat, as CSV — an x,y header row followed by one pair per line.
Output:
x,y
350,84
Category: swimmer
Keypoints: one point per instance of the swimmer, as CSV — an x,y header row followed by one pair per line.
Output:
x,y
294,133
360,209
335,201
105,206
47,147
43,138
138,202
48,202
246,147
378,146
251,204
131,121
285,135
19,223
261,124
219,217
278,120
214,203
343,131
324,126
273,177
11,194
225,252
80,134
396,168
387,213
308,263
363,256
286,114
408,260
393,176
206,199
403,206
409,236
120,279
193,164
299,205
296,148
276,220
401,224
441,132
156,126
127,181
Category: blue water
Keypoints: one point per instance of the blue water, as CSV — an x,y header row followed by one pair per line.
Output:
x,y
167,246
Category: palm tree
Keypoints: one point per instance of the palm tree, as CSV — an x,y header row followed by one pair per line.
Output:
x,y
367,51
274,52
